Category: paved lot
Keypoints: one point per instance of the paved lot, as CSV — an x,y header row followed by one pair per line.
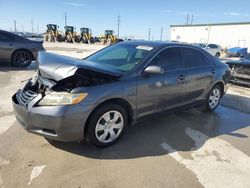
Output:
x,y
186,149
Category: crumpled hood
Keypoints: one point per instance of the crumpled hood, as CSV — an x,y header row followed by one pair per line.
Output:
x,y
58,67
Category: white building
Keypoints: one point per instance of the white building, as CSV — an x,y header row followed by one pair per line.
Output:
x,y
225,34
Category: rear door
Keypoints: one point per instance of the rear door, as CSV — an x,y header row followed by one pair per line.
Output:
x,y
158,92
201,73
6,46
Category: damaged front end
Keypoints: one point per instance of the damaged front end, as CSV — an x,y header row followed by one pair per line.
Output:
x,y
57,78
240,73
49,103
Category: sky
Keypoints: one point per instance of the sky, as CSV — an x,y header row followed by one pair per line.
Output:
x,y
136,16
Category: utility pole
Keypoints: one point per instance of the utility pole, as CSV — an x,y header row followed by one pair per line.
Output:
x,y
149,33
161,33
22,28
37,29
32,28
192,19
65,19
14,25
187,18
118,26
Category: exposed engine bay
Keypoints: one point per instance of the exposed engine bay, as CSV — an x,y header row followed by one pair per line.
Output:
x,y
81,78
240,73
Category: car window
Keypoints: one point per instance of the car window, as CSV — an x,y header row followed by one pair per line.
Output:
x,y
212,46
5,37
207,60
169,59
192,58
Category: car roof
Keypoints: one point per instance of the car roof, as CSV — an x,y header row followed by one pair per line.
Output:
x,y
13,34
160,44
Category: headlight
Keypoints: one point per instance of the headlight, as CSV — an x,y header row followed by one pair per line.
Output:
x,y
55,99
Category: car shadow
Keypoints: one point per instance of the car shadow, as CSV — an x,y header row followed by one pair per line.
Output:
x,y
147,138
7,67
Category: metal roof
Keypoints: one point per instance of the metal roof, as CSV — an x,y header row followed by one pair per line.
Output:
x,y
212,24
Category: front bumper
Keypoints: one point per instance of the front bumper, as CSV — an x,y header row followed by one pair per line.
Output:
x,y
63,123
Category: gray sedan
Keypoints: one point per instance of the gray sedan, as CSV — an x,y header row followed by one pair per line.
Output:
x,y
98,97
17,49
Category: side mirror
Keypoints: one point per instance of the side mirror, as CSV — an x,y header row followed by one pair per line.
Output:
x,y
154,70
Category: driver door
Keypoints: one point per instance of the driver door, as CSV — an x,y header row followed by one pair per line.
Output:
x,y
159,92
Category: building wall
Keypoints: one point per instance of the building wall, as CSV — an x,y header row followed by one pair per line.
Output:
x,y
224,35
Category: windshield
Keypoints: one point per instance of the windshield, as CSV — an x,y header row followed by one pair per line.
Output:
x,y
121,57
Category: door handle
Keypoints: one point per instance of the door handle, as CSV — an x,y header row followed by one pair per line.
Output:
x,y
11,44
213,71
181,77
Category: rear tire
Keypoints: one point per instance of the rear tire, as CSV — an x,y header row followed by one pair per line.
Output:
x,y
21,58
107,125
213,99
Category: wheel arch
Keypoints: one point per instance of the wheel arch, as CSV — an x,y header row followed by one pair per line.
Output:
x,y
118,101
221,84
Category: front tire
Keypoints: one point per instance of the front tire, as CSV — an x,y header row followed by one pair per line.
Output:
x,y
213,99
107,124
